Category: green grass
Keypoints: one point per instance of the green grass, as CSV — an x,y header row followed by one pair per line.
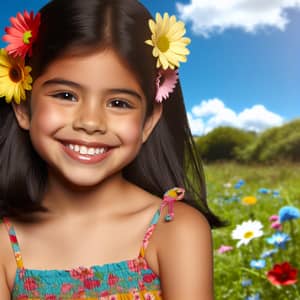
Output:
x,y
232,267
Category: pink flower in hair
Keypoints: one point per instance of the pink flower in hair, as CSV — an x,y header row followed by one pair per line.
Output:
x,y
165,83
22,34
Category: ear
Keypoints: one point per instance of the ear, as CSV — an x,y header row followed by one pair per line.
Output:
x,y
22,115
152,120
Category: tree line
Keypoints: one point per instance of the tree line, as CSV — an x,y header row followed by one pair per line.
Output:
x,y
280,143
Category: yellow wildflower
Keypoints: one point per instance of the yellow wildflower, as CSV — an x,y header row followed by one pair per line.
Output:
x,y
249,200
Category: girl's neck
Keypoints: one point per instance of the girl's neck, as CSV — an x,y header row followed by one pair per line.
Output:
x,y
64,199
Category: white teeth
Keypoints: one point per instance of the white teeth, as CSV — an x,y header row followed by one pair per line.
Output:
x,y
91,151
85,150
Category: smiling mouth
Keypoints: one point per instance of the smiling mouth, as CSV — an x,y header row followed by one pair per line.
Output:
x,y
87,154
84,150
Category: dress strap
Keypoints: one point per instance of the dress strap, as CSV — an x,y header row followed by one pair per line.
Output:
x,y
169,198
14,242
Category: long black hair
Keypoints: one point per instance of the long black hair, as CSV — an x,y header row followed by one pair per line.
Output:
x,y
168,158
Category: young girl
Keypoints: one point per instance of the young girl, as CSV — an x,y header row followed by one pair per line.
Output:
x,y
95,149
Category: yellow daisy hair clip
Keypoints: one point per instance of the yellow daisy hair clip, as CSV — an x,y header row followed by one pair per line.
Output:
x,y
170,48
168,41
15,77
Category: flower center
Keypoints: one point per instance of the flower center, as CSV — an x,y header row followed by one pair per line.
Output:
x,y
15,74
248,234
283,276
26,36
163,43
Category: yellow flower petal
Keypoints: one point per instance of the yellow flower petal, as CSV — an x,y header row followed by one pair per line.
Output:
x,y
172,20
175,57
163,61
185,41
173,60
152,26
158,18
149,42
155,52
158,64
180,50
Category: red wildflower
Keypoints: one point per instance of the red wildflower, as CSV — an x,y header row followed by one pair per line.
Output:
x,y
282,274
22,34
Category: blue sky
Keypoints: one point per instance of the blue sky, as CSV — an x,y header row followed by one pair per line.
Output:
x,y
244,67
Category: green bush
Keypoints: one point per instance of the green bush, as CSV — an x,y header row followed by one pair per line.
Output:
x,y
277,143
223,143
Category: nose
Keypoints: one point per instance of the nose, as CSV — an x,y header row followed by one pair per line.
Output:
x,y
90,118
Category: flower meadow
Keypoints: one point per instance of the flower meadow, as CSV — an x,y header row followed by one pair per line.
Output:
x,y
257,255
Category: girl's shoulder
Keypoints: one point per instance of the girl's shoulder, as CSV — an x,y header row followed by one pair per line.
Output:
x,y
187,220
185,254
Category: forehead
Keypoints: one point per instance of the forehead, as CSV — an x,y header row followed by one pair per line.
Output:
x,y
102,69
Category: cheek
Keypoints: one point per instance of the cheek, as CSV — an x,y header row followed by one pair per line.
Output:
x,y
46,118
45,121
131,131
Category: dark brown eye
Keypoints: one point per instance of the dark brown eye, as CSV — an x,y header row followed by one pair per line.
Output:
x,y
119,103
65,96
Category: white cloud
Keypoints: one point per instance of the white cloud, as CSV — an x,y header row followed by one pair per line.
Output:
x,y
196,124
213,113
211,16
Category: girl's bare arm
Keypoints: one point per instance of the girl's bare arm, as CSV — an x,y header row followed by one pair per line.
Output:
x,y
185,256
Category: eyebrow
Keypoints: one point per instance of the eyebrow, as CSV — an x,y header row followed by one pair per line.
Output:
x,y
77,85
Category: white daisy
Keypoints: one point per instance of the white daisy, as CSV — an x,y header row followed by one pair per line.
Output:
x,y
247,231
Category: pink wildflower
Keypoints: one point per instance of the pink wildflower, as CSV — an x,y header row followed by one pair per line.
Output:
x,y
274,218
224,249
276,225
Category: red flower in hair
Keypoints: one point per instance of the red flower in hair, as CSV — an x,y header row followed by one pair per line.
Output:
x,y
22,34
282,274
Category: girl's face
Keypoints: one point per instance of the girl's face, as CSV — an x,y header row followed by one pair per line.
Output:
x,y
88,117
